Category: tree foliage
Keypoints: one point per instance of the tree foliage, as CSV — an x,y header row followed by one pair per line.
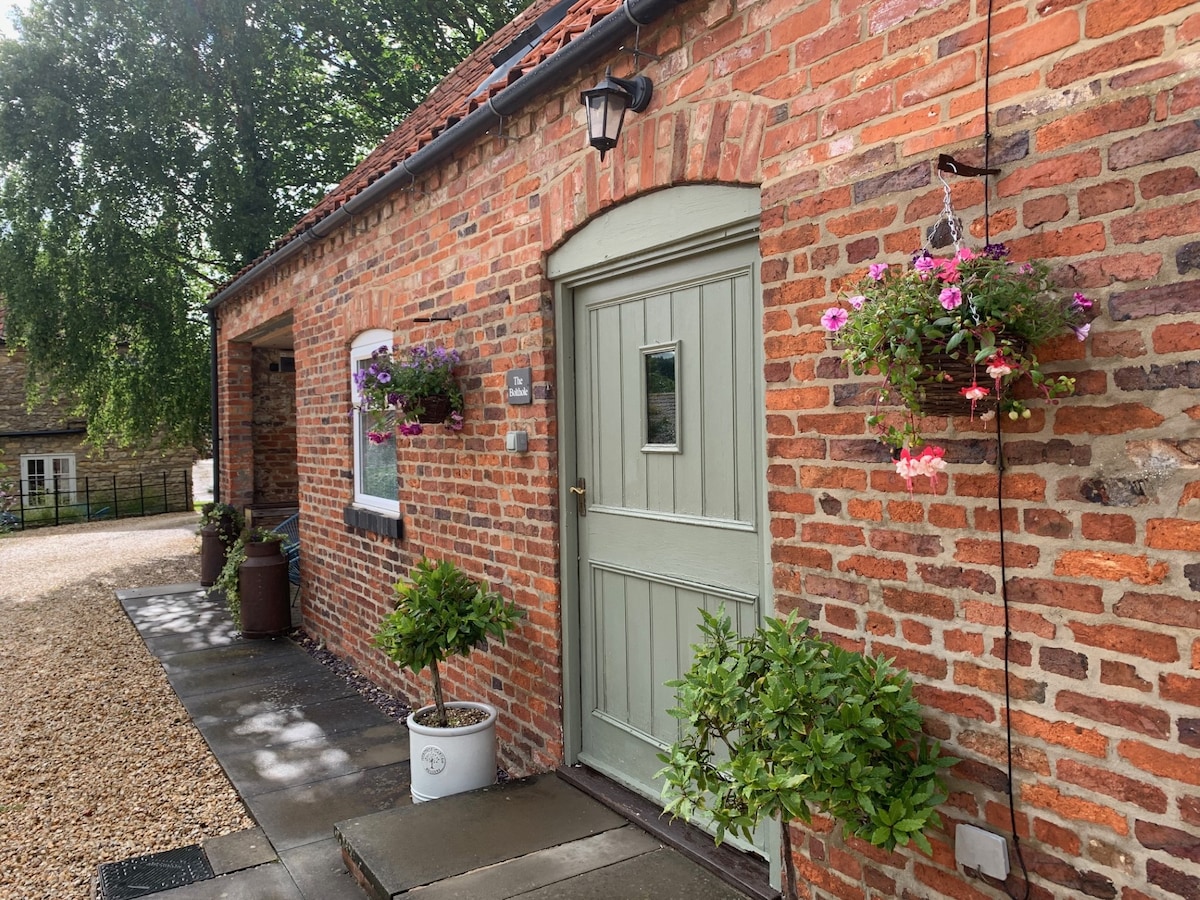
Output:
x,y
149,149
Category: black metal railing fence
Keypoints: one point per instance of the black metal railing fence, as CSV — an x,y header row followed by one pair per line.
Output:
x,y
93,498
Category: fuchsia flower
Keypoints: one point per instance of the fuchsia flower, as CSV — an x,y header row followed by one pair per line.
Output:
x,y
455,422
928,462
974,393
1081,301
876,270
376,437
835,317
950,298
411,429
998,366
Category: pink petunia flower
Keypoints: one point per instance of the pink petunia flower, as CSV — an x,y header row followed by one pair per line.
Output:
x,y
950,298
1081,331
925,267
876,270
857,301
965,254
947,270
835,317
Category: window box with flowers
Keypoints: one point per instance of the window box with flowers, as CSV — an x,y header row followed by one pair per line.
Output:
x,y
951,336
405,389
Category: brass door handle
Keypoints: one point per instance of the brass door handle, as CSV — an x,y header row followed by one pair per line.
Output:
x,y
579,489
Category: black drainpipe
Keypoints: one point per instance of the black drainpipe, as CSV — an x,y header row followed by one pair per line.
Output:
x,y
214,404
549,75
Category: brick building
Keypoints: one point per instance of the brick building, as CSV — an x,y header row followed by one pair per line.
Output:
x,y
786,146
45,452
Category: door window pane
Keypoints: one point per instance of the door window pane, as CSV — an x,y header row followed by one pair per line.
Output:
x,y
662,397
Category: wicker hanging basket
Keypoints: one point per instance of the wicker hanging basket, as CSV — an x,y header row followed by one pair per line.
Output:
x,y
434,409
944,397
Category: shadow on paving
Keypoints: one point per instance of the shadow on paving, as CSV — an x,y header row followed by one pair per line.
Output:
x,y
325,775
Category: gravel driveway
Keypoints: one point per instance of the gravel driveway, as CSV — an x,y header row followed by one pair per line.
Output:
x,y
98,760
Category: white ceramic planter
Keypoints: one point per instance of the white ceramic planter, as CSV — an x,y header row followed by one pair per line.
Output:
x,y
449,761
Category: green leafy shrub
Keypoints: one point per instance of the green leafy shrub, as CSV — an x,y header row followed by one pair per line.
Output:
x,y
781,723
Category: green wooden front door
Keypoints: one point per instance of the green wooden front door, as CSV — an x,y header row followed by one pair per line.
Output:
x,y
668,422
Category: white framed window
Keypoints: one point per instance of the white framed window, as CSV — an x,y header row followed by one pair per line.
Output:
x,y
376,482
44,476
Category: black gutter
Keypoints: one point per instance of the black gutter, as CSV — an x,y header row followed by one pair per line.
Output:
x,y
550,74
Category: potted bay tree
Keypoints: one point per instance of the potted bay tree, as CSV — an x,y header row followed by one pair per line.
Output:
x,y
442,612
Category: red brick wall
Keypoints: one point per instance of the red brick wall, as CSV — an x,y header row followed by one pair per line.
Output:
x,y
838,110
274,428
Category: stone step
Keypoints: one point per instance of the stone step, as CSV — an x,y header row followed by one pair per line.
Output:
x,y
536,838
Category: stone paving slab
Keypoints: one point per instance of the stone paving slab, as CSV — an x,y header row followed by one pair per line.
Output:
x,y
410,846
307,813
661,875
280,766
320,873
542,868
286,726
214,657
275,695
239,670
237,851
268,882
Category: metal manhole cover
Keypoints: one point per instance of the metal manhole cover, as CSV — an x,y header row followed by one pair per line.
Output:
x,y
143,875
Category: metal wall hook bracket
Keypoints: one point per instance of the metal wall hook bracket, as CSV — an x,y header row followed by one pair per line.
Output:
x,y
636,50
947,163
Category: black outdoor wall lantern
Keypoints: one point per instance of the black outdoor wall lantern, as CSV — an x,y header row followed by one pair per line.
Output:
x,y
606,104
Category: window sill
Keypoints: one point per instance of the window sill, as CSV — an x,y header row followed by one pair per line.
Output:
x,y
374,522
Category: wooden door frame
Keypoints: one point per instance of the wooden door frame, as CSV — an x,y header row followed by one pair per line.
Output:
x,y
682,221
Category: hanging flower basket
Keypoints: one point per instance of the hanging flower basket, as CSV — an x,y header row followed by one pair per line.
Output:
x,y
402,389
950,336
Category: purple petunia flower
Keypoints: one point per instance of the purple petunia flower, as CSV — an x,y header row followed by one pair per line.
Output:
x,y
995,251
1081,331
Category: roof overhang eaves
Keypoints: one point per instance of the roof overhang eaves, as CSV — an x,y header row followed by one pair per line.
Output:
x,y
600,37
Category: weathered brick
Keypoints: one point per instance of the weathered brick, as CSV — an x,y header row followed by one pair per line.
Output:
x,y
1099,199
1062,661
1155,146
1180,844
1169,182
1179,883
957,577
1132,641
1178,298
874,567
1159,378
1175,766
1122,52
1131,716
889,541
1057,593
995,682
1118,419
1123,675
1104,527
1048,797
1179,688
1173,534
1017,556
1162,609
1106,119
1064,734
